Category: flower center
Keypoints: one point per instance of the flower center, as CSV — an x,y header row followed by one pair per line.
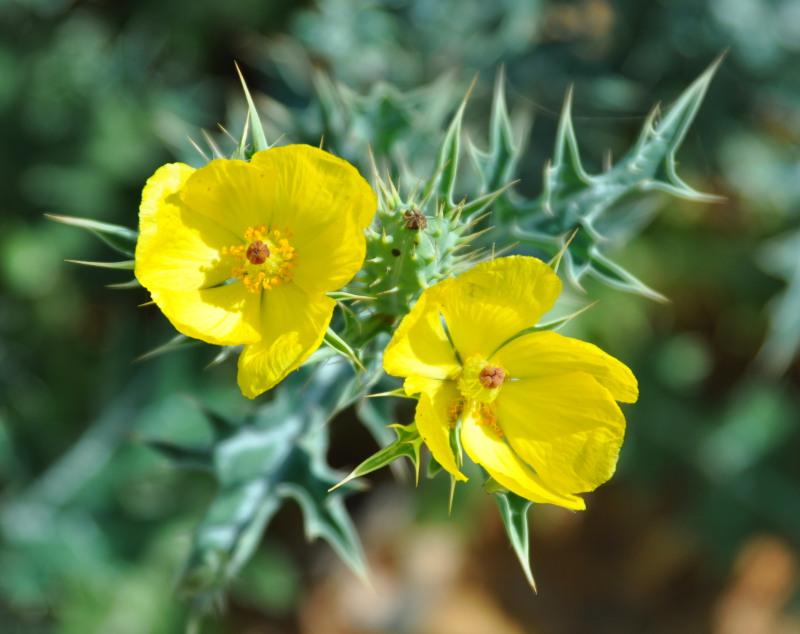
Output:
x,y
479,381
266,259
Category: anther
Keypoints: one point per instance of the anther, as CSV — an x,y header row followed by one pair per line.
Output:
x,y
453,411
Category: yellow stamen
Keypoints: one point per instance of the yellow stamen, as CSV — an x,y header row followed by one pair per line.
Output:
x,y
454,409
264,261
485,415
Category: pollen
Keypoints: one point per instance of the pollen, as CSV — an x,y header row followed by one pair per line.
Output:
x,y
264,260
454,410
485,415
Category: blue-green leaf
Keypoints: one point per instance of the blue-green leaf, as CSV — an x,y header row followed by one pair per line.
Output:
x,y
181,455
446,167
496,166
259,139
119,238
514,511
127,265
341,347
408,444
178,342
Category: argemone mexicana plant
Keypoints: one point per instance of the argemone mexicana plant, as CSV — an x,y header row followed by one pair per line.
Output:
x,y
287,255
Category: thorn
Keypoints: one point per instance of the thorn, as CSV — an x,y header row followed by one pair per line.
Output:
x,y
504,250
246,130
373,163
415,191
475,221
468,239
457,217
433,180
226,133
125,285
198,148
395,193
399,392
470,89
127,265
557,258
214,147
558,323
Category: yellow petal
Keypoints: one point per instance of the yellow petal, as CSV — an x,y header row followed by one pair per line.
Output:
x,y
330,259
495,300
420,346
315,189
485,447
547,353
235,194
433,425
177,249
568,428
225,316
293,326
416,384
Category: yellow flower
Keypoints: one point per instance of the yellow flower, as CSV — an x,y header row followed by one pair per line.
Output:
x,y
537,410
244,252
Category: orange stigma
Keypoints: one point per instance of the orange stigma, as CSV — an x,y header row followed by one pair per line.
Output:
x,y
492,377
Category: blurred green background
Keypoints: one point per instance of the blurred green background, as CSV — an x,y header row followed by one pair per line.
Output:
x,y
700,528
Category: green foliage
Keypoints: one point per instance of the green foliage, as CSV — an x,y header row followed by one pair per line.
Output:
x,y
397,125
497,166
413,243
780,258
119,238
514,511
365,41
275,454
408,251
90,97
570,221
407,445
279,451
605,208
259,139
574,200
